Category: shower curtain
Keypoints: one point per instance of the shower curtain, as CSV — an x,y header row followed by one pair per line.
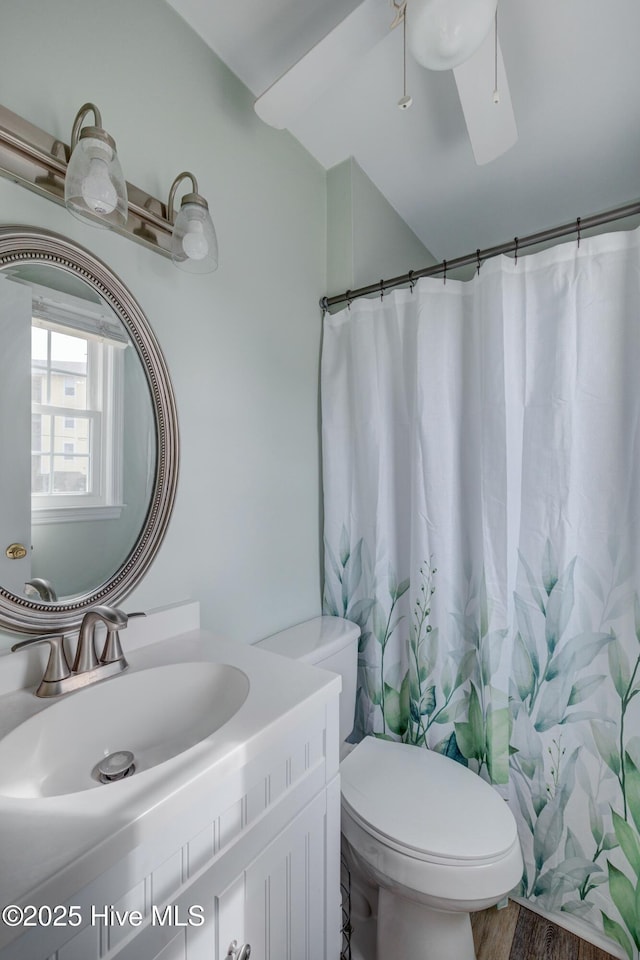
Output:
x,y
481,469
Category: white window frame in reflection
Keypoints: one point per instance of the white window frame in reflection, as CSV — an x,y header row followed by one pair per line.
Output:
x,y
101,413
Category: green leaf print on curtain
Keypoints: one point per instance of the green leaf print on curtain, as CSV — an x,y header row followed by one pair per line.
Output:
x,y
557,678
461,694
625,892
415,688
410,688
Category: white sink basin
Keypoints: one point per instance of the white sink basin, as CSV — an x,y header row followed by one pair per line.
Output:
x,y
155,714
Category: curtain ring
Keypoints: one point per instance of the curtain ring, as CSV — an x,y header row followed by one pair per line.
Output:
x,y
324,306
412,282
381,291
578,221
444,276
348,296
516,242
478,260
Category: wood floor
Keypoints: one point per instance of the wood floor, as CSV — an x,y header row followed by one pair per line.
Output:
x,y
519,934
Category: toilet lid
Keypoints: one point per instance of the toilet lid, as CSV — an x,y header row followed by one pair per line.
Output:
x,y
424,802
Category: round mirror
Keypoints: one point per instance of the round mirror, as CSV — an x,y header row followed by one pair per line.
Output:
x,y
88,430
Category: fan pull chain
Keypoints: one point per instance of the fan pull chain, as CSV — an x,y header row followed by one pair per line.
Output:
x,y
496,92
405,102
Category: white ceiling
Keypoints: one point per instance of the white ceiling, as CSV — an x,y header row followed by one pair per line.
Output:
x,y
574,74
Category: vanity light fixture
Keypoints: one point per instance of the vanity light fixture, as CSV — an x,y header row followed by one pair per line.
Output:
x,y
87,178
194,245
94,187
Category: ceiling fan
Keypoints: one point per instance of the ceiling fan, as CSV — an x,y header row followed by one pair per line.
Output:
x,y
441,35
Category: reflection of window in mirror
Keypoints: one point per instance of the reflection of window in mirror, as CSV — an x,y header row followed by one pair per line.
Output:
x,y
76,410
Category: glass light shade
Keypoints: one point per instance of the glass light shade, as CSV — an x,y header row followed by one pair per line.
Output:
x,y
194,245
442,34
94,185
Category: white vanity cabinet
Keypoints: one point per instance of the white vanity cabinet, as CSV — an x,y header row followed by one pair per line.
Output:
x,y
247,850
275,904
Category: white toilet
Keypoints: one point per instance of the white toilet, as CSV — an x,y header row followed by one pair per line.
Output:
x,y
434,839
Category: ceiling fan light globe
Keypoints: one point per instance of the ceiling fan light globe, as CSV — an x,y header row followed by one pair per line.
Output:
x,y
442,34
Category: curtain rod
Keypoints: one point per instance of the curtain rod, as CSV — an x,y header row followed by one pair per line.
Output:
x,y
513,246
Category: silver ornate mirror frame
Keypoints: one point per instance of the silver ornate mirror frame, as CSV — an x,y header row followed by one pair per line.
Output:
x,y
24,244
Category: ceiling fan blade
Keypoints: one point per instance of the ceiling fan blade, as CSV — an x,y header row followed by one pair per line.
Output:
x,y
492,126
325,64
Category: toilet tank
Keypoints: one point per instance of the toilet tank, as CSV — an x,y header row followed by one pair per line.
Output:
x,y
327,642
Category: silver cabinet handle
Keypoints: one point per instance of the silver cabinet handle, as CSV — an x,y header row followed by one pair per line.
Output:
x,y
236,952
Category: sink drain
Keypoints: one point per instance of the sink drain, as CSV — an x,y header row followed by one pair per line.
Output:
x,y
116,766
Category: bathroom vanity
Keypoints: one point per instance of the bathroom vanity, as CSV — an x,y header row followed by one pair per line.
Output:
x,y
233,841
227,832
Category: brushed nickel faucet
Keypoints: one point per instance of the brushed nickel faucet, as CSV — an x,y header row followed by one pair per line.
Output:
x,y
86,658
59,678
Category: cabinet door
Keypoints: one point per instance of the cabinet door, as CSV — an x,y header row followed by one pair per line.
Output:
x,y
277,904
285,906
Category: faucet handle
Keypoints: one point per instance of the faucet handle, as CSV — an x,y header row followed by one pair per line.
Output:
x,y
57,665
112,650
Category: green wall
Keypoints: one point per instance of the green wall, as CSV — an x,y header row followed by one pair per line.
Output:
x,y
366,239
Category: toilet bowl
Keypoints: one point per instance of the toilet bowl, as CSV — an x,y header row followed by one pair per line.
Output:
x,y
433,839
437,840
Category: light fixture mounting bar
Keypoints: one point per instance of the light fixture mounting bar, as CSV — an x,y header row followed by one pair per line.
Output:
x,y
36,160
